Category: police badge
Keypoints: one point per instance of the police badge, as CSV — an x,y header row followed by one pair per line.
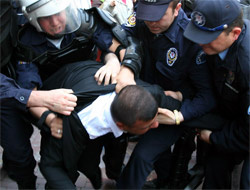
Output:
x,y
131,20
172,55
198,18
230,77
201,57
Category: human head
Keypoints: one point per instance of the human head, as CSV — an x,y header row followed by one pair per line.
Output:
x,y
210,18
134,110
158,15
54,17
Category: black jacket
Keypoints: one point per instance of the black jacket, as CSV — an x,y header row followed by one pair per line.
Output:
x,y
231,79
79,76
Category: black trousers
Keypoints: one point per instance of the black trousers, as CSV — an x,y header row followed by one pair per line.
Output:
x,y
15,136
52,162
218,170
149,149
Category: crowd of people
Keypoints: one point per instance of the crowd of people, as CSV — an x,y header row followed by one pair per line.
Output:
x,y
89,79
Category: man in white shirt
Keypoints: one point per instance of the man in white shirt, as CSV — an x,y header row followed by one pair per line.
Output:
x,y
100,118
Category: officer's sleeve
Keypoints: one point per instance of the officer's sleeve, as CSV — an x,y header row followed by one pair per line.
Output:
x,y
103,36
203,100
28,75
10,91
158,93
235,135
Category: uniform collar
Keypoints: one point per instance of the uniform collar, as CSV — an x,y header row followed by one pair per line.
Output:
x,y
223,54
233,56
172,32
39,38
228,57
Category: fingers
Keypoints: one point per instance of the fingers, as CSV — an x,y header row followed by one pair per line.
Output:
x,y
63,93
56,127
65,112
160,110
57,133
167,93
100,74
104,75
69,91
72,98
164,111
64,109
64,102
107,78
97,76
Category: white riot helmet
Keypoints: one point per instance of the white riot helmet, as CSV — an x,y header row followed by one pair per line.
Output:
x,y
35,9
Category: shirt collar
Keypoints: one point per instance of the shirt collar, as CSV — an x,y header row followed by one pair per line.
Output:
x,y
114,128
223,54
39,38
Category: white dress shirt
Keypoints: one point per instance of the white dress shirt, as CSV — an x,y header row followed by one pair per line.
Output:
x,y
97,119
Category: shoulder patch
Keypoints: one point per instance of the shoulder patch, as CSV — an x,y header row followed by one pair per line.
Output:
x,y
248,111
131,20
22,63
201,57
172,55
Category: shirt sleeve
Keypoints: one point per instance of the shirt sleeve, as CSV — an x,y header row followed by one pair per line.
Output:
x,y
11,91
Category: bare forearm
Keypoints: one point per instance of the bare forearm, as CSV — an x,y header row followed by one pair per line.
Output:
x,y
59,100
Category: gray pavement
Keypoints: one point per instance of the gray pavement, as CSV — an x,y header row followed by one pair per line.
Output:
x,y
82,183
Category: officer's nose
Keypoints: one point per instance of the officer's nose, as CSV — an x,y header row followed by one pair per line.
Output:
x,y
151,23
53,20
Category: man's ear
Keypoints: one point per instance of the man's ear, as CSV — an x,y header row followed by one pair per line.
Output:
x,y
176,11
121,126
236,32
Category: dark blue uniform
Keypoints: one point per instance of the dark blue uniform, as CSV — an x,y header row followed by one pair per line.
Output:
x,y
28,75
231,79
176,64
18,158
15,133
18,155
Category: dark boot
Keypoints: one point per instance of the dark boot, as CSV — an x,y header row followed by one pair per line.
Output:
x,y
96,180
182,153
29,183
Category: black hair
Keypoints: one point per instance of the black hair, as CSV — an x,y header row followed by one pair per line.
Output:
x,y
133,103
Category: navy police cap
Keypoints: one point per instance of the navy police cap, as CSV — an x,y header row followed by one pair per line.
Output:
x,y
209,18
151,10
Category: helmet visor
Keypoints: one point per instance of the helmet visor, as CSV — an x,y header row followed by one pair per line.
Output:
x,y
63,22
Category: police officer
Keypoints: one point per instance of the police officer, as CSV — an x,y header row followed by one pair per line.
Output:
x,y
15,102
18,158
177,65
218,27
53,25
